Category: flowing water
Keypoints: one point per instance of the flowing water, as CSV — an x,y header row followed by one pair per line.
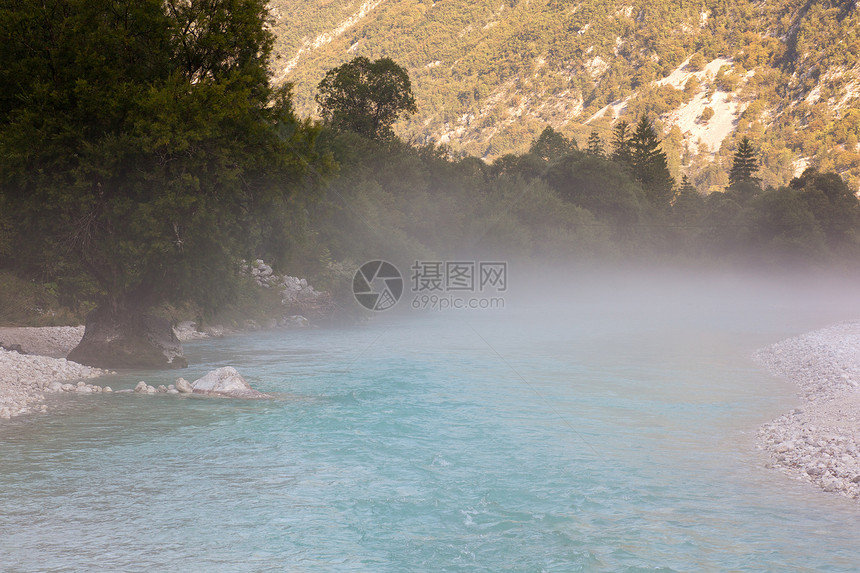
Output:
x,y
600,430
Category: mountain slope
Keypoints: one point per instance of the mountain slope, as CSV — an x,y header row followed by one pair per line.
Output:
x,y
489,75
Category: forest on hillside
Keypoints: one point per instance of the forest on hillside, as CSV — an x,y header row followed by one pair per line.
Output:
x,y
490,76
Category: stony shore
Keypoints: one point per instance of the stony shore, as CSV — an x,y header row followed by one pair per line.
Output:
x,y
53,341
26,378
40,367
818,442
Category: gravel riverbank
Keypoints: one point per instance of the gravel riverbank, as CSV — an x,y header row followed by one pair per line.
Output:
x,y
819,442
53,341
25,378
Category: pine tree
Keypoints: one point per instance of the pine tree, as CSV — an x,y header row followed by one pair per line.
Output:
x,y
686,186
650,166
744,164
621,142
595,145
687,204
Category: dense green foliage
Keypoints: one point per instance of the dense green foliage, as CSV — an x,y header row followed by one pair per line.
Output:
x,y
141,144
490,76
404,203
552,145
366,97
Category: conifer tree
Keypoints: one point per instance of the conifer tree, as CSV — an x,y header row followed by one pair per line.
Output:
x,y
686,186
621,142
595,144
650,166
744,164
687,204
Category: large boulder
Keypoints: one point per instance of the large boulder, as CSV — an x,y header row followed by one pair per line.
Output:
x,y
183,386
225,381
130,341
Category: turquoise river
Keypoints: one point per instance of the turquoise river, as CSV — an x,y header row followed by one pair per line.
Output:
x,y
604,425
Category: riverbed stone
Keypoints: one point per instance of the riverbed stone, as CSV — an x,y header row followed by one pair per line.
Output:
x,y
183,386
225,381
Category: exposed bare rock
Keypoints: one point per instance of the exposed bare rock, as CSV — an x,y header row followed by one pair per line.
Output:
x,y
183,386
227,382
297,296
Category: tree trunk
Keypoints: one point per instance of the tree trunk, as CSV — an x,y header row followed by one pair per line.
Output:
x,y
132,339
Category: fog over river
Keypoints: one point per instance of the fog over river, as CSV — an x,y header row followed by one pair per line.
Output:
x,y
600,421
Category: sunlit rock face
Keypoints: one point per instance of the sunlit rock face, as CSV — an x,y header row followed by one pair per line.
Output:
x,y
136,341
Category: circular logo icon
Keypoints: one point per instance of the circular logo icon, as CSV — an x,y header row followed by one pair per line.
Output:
x,y
377,285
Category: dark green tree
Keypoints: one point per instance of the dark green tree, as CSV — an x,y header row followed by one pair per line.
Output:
x,y
720,224
551,145
687,204
778,228
834,206
598,185
744,164
140,142
366,97
595,144
686,186
650,166
527,166
621,150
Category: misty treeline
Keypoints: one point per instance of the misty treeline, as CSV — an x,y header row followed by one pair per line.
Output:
x,y
144,152
609,200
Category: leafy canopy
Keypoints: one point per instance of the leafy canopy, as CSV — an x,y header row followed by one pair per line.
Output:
x,y
551,145
139,138
366,97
